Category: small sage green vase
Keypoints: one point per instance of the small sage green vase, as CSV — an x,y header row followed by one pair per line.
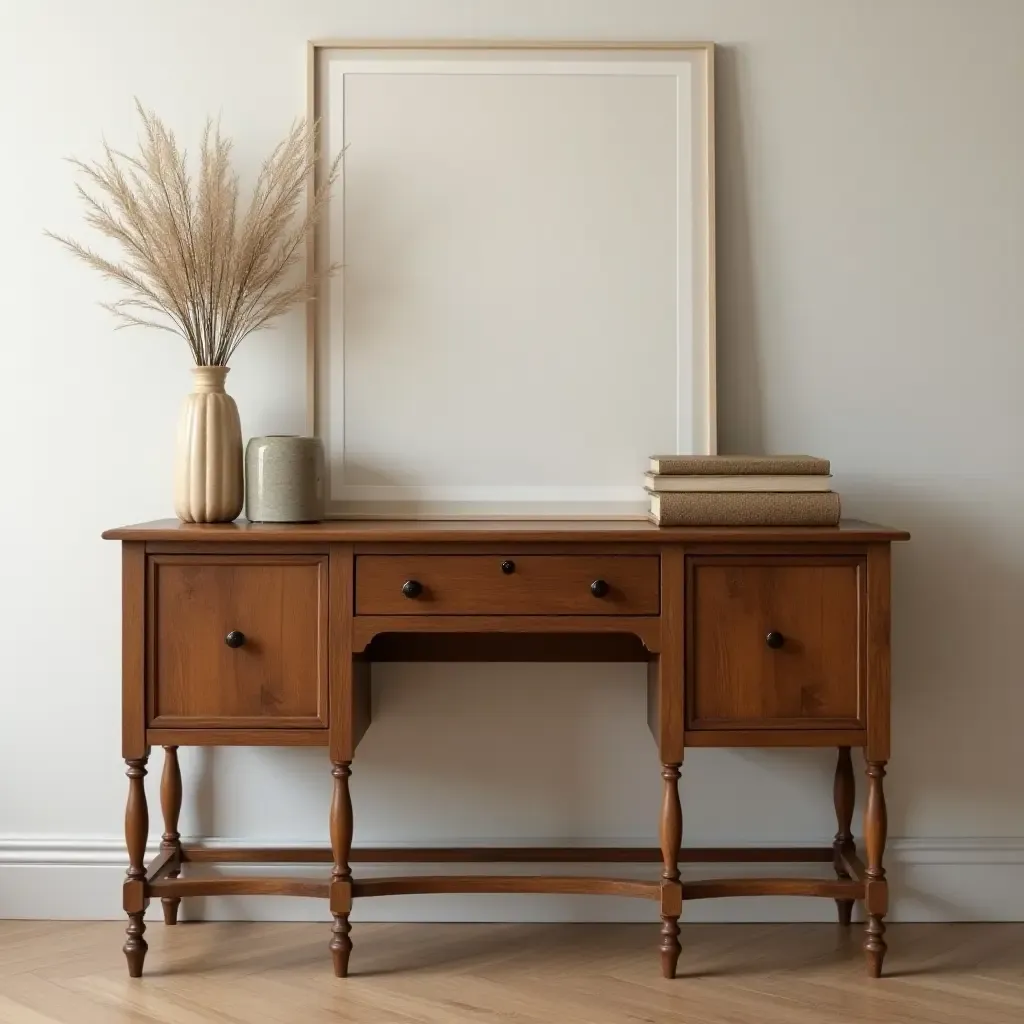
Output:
x,y
284,479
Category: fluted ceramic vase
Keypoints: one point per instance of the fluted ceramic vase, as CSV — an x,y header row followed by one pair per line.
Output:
x,y
208,463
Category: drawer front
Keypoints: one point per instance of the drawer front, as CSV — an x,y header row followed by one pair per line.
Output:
x,y
507,585
237,641
775,643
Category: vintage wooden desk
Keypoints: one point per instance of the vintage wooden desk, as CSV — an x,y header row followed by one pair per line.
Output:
x,y
266,635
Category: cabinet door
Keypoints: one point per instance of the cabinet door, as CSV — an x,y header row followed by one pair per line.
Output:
x,y
775,642
237,641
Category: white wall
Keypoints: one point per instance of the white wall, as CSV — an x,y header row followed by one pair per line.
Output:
x,y
870,204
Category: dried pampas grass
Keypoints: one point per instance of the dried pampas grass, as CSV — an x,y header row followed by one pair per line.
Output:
x,y
192,260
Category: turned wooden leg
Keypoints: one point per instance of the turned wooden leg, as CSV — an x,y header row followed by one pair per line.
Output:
x,y
341,873
843,794
135,946
876,899
170,804
136,831
671,838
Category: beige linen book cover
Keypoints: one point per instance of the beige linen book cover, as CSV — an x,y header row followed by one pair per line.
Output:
x,y
723,509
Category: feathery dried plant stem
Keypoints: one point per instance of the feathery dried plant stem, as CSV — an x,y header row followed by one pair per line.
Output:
x,y
191,262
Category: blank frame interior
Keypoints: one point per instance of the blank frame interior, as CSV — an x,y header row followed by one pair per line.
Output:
x,y
525,310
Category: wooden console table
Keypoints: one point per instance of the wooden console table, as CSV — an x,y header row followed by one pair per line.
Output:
x,y
266,635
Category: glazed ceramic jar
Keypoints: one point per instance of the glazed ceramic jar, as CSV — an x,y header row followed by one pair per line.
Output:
x,y
284,479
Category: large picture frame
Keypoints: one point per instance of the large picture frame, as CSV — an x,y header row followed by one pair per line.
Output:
x,y
526,306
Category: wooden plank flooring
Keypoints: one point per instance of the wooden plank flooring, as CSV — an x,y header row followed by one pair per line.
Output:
x,y
74,973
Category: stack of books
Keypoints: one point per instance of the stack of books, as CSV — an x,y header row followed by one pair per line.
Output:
x,y
741,490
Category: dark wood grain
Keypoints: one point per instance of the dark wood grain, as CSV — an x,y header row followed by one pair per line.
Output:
x,y
843,796
136,831
508,855
136,819
170,805
277,679
342,654
665,682
341,872
737,680
646,627
827,887
565,884
252,886
133,651
671,834
206,737
192,854
508,647
853,864
879,661
513,550
215,552
802,737
135,945
671,830
768,551
876,891
494,531
476,585
165,864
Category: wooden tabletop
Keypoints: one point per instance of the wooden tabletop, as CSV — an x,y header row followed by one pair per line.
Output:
x,y
498,530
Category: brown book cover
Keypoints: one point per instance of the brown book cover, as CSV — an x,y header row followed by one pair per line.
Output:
x,y
731,465
744,509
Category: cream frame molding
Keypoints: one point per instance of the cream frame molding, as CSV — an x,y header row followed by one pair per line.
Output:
x,y
315,256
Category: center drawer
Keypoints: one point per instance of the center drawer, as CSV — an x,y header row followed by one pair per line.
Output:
x,y
507,585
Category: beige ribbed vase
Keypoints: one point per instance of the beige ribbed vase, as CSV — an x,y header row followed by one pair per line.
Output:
x,y
208,462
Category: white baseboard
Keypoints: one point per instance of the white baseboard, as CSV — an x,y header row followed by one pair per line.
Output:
x,y
932,880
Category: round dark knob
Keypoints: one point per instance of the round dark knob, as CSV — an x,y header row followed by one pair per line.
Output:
x,y
508,567
774,640
412,588
599,588
234,638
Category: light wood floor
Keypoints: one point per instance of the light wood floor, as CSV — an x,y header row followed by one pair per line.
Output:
x,y
73,973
